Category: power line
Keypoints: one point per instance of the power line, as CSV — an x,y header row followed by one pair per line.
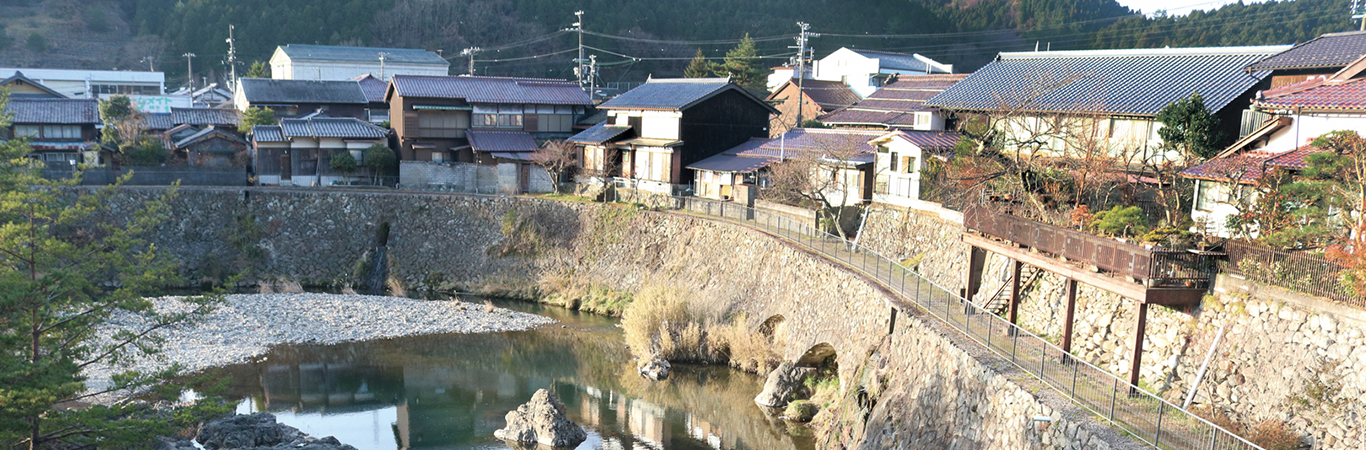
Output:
x,y
526,57
685,42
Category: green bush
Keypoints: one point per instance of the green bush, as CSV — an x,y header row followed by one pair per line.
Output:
x,y
801,411
380,158
36,43
144,152
1170,236
1121,221
343,162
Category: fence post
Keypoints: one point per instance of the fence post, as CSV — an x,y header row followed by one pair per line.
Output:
x,y
1161,411
1014,341
990,322
1114,394
1076,365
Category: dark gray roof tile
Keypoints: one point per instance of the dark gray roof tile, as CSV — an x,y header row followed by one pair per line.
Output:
x,y
53,110
673,94
597,134
205,116
292,92
301,52
1330,51
492,90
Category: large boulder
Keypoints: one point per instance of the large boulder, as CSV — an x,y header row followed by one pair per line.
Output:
x,y
655,368
784,384
253,430
542,420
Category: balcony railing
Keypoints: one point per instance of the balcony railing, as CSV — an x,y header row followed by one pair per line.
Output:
x,y
1155,267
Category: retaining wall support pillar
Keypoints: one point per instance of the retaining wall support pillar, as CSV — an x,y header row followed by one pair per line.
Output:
x,y
1067,319
1140,326
1016,268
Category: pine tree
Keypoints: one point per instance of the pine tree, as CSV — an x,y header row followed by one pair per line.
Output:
x,y
258,70
742,66
1187,126
699,67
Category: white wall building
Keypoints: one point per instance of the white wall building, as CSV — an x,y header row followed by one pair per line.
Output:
x,y
94,83
327,62
866,70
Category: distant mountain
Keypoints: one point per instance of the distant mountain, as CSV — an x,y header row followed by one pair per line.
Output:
x,y
525,37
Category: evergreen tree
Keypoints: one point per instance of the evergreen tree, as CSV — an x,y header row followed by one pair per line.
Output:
x,y
743,67
256,115
66,270
258,70
699,67
122,122
1188,127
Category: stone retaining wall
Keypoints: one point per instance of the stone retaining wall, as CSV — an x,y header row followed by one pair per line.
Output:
x,y
923,388
1280,359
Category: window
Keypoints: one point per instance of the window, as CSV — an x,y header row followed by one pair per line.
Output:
x,y
894,161
61,132
442,124
554,122
1209,195
25,131
908,164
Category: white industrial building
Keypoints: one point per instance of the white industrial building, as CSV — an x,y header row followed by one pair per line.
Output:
x,y
74,83
865,70
336,63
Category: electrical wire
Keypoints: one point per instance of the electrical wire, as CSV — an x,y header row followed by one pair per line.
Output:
x,y
526,57
678,42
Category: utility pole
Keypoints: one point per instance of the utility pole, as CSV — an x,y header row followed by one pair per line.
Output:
x,y
1357,14
592,75
801,66
578,27
232,59
189,61
470,52
382,55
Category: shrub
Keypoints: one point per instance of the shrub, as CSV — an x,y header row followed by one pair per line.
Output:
x,y
380,158
342,162
659,321
144,152
1121,221
36,43
96,19
800,411
1273,435
1170,236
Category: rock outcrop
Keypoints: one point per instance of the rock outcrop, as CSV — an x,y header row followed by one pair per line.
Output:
x,y
655,368
255,431
542,420
784,384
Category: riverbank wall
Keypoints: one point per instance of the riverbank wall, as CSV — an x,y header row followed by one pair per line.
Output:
x,y
1282,357
907,382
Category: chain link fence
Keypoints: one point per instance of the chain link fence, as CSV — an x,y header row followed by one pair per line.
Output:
x,y
1147,417
1297,271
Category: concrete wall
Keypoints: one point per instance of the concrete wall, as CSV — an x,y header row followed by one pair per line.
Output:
x,y
924,388
472,178
1278,346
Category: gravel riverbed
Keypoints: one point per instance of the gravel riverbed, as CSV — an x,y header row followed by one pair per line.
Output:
x,y
247,325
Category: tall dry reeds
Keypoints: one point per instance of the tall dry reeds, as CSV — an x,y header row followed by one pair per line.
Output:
x,y
662,320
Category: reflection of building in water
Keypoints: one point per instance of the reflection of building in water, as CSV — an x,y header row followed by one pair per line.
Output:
x,y
443,405
710,433
326,387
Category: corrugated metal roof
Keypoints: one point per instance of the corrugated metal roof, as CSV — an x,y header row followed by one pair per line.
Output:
x,y
267,133
501,141
859,116
205,116
598,134
492,89
302,52
932,140
293,92
516,156
67,111
894,105
373,88
732,163
1317,94
905,61
1333,50
829,95
821,142
675,94
1130,82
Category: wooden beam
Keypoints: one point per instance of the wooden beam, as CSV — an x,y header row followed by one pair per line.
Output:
x,y
977,260
1140,327
1015,290
1067,319
1124,288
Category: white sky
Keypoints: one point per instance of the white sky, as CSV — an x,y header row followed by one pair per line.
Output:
x,y
1180,7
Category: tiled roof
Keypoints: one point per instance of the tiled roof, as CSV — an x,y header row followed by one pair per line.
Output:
x,y
904,61
675,94
267,133
206,133
1248,167
373,88
158,121
300,52
894,105
597,134
333,127
205,116
291,92
1333,50
53,110
492,89
814,141
732,163
829,95
932,140
1137,82
19,76
1317,94
501,141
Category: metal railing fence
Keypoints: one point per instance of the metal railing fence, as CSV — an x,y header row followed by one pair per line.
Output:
x,y
1144,415
1297,271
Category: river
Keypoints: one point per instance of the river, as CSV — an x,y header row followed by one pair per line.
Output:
x,y
452,391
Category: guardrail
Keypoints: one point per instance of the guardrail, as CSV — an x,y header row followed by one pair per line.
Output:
x,y
1146,416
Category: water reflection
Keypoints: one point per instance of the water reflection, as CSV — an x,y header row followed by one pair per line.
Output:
x,y
452,391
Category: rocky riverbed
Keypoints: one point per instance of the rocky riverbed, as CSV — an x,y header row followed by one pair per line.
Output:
x,y
247,325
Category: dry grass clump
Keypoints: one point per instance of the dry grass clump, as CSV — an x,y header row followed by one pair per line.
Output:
x,y
574,293
746,350
347,290
661,321
1273,435
396,288
488,306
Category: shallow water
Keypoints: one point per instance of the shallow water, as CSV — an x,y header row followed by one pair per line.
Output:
x,y
452,391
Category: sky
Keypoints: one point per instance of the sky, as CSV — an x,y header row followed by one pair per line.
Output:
x,y
1178,7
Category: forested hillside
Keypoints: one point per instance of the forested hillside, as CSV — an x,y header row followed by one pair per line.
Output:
x,y
644,36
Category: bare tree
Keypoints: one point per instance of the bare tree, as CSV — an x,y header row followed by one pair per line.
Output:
x,y
828,174
557,158
600,166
